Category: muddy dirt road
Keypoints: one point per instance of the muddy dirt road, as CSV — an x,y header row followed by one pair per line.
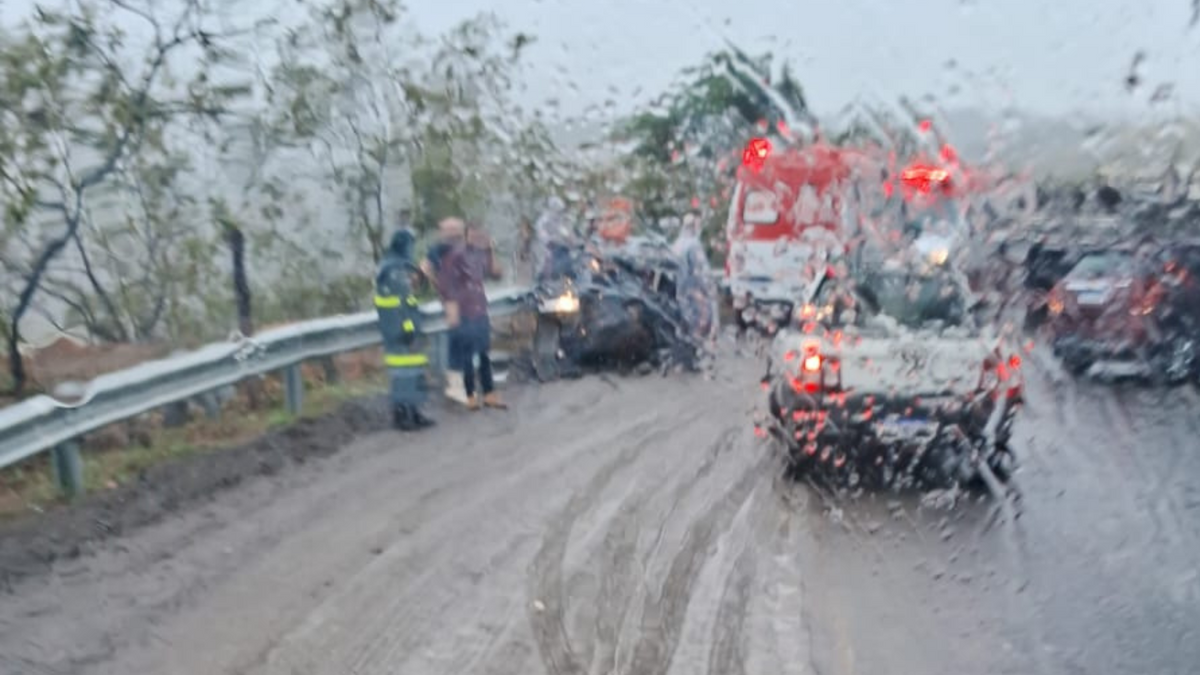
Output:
x,y
636,526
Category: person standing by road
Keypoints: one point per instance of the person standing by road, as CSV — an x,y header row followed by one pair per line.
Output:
x,y
461,279
399,323
451,232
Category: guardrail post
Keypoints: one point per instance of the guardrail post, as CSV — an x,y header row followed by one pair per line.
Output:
x,y
211,403
176,414
293,389
329,367
68,468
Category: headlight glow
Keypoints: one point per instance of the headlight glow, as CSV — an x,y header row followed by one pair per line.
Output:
x,y
566,304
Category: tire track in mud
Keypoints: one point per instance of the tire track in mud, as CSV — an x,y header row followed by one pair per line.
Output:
x,y
1060,390
728,656
1152,491
789,624
428,558
1160,491
1134,514
821,609
724,442
398,654
1185,440
1051,402
840,647
662,616
618,578
547,612
1016,544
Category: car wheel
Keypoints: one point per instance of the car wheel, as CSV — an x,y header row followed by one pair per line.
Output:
x,y
1003,464
1177,363
774,407
546,344
1076,365
799,465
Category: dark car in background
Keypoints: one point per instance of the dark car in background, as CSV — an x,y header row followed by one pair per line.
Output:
x,y
1117,313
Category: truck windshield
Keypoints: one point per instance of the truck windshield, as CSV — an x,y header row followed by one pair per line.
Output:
x,y
1104,263
914,300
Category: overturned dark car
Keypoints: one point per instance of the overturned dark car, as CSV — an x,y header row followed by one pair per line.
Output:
x,y
1123,313
887,380
618,310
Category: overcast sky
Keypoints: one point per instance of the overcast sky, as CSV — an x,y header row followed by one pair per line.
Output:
x,y
1049,56
1039,55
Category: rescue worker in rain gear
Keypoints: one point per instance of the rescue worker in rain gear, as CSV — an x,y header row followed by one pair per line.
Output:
x,y
555,239
399,322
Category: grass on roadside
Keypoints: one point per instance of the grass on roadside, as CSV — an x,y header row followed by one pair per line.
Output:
x,y
31,485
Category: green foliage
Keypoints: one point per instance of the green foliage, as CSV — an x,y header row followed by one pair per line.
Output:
x,y
305,296
115,156
686,149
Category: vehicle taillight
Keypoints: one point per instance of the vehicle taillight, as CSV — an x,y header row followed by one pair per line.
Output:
x,y
925,178
812,364
1014,362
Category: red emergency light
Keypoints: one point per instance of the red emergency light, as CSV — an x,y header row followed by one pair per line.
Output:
x,y
756,152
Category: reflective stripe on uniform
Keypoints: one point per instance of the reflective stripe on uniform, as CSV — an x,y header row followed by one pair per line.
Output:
x,y
405,360
387,301
409,326
412,301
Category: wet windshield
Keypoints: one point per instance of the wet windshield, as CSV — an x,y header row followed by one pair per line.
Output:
x,y
599,337
1103,264
913,300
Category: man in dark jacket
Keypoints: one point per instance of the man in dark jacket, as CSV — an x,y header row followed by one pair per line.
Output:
x,y
460,279
399,322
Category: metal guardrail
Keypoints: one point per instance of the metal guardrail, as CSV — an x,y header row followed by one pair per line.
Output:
x,y
43,423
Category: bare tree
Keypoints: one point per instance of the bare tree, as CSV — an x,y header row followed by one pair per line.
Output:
x,y
71,116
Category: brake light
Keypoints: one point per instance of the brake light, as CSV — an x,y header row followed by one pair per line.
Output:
x,y
924,173
1014,362
812,363
924,178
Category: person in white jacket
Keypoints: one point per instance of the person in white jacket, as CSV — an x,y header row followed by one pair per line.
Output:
x,y
553,232
694,288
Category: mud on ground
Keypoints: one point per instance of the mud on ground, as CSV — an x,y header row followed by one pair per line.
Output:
x,y
30,544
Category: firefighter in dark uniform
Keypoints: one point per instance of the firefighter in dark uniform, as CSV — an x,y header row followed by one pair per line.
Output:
x,y
399,322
